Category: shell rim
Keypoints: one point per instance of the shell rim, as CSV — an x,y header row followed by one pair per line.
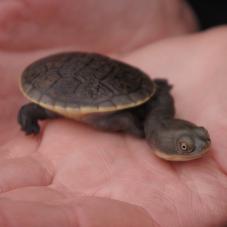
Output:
x,y
86,109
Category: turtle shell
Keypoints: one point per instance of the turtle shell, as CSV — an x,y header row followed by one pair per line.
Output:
x,y
81,83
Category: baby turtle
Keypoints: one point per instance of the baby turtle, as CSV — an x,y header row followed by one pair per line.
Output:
x,y
109,95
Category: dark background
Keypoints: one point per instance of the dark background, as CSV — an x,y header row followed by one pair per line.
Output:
x,y
210,12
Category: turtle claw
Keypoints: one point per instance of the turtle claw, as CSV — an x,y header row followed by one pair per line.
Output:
x,y
31,129
27,123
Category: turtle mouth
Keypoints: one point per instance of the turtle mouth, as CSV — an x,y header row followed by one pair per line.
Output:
x,y
181,157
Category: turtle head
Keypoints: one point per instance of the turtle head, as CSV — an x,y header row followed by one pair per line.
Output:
x,y
179,140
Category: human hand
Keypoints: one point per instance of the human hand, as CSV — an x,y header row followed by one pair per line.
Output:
x,y
73,175
108,26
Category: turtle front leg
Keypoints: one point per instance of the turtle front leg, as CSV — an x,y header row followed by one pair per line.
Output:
x,y
29,115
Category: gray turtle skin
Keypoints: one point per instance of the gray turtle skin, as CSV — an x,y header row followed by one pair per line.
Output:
x,y
112,96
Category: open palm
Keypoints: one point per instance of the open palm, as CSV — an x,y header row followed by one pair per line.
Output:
x,y
73,175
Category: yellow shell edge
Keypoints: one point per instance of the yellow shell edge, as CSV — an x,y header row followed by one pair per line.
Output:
x,y
77,113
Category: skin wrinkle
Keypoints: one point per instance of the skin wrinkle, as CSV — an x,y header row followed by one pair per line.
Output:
x,y
45,165
71,216
108,166
127,139
54,196
209,199
207,174
64,189
166,198
193,195
51,168
203,198
76,210
49,171
109,176
200,200
209,206
156,223
42,140
168,209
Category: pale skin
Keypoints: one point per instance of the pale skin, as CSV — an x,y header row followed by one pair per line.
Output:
x,y
74,176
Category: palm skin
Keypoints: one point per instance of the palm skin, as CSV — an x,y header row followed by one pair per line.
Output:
x,y
88,25
73,175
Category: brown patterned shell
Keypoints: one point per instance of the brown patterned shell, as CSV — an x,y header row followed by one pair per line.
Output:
x,y
80,83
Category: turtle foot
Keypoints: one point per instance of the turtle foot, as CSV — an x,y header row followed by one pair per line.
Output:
x,y
28,124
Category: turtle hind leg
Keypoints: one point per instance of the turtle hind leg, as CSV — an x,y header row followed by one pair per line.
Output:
x,y
123,121
28,117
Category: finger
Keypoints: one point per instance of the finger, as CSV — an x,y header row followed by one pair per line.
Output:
x,y
88,211
83,26
40,194
25,171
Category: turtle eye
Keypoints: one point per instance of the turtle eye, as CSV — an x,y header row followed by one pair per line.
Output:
x,y
184,147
